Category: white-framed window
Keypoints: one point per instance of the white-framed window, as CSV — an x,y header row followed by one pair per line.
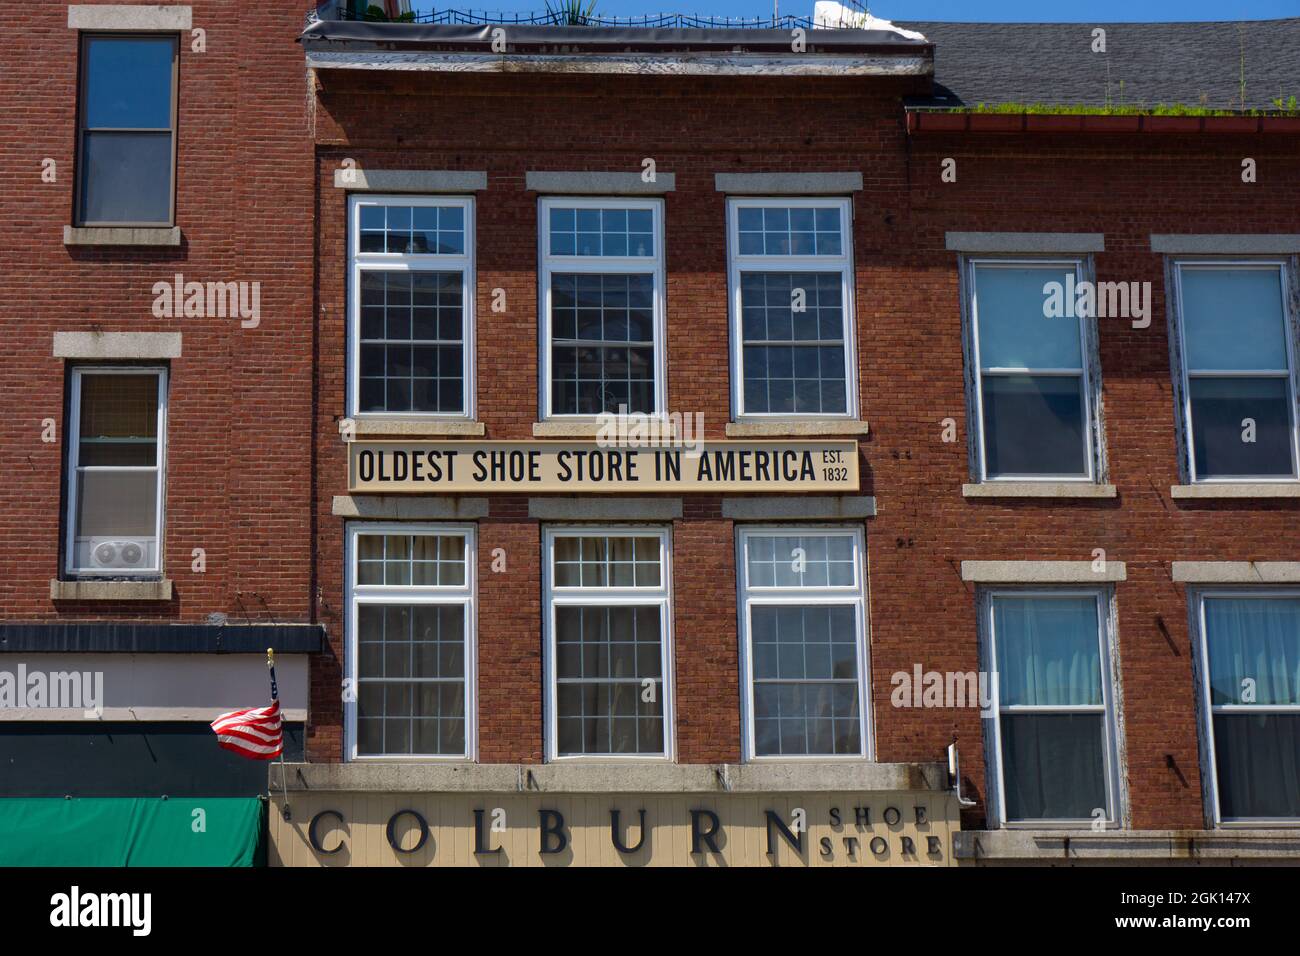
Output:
x,y
411,645
1034,402
602,307
116,455
608,623
791,280
1051,736
1249,672
411,307
803,642
1237,369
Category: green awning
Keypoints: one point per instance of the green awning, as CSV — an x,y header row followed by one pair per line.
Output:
x,y
132,831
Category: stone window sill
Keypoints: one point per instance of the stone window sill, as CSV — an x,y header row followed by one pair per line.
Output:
x,y
1038,489
374,427
121,236
796,429
1235,489
89,590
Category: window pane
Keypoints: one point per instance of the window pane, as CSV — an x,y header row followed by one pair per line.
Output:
x,y
601,232
1254,650
1053,766
1233,319
1222,411
1013,330
126,177
604,656
806,685
128,82
602,343
411,670
1033,425
1258,761
800,561
790,231
793,330
116,518
1048,650
118,420
412,342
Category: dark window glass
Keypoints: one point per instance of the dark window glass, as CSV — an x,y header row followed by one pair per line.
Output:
x,y
127,111
1258,760
793,330
412,345
602,343
1033,425
1222,410
1053,766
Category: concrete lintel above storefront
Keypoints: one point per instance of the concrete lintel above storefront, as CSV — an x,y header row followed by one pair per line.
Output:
x,y
973,847
612,777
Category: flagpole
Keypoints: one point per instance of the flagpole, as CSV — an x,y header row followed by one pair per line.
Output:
x,y
275,695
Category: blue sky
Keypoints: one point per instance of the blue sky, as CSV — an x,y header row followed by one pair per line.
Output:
x,y
1091,11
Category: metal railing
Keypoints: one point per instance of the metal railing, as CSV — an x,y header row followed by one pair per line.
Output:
x,y
661,21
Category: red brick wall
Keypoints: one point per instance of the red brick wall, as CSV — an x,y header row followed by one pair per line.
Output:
x,y
910,358
239,469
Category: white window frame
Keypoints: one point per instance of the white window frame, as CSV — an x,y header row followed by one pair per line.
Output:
x,y
1112,768
1090,385
554,596
1207,709
738,264
75,469
359,262
652,266
1184,375
839,595
355,595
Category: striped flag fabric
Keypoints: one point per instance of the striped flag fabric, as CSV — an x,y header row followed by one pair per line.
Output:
x,y
254,732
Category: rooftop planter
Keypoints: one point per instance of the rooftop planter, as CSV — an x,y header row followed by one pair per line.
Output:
x,y
1036,118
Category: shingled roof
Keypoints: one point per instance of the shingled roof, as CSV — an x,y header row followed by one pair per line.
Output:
x,y
1198,64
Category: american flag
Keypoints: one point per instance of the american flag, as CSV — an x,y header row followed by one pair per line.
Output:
x,y
253,732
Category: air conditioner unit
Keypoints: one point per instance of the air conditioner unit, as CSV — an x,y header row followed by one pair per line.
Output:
x,y
120,553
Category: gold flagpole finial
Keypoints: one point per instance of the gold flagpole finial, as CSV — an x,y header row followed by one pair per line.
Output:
x,y
270,657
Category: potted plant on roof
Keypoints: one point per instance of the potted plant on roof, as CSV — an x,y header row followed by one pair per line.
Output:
x,y
571,13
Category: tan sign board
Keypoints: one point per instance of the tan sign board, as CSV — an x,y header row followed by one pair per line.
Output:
x,y
355,828
538,467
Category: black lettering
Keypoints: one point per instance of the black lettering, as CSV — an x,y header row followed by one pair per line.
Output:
x,y
392,831
618,840
480,470
826,846
879,846
562,460
481,834
794,839
933,846
906,845
892,816
835,816
708,836
920,816
551,823
313,833
862,816
366,466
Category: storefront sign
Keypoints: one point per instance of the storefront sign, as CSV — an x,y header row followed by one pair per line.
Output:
x,y
387,467
659,829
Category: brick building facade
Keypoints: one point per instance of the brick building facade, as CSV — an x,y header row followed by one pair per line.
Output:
x,y
476,239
